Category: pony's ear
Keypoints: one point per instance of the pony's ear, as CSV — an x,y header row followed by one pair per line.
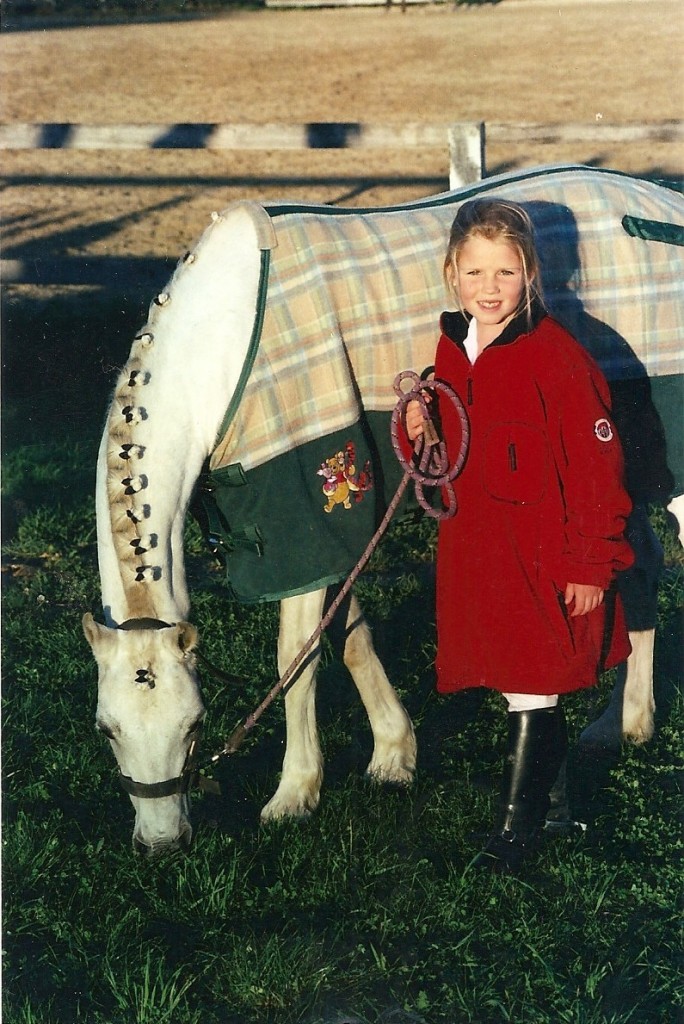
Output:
x,y
186,635
95,634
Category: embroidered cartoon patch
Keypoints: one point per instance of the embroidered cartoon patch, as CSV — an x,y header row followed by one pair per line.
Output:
x,y
603,430
341,480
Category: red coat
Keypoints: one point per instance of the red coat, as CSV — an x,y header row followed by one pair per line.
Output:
x,y
540,504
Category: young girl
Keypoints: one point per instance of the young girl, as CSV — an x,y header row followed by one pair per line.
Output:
x,y
524,568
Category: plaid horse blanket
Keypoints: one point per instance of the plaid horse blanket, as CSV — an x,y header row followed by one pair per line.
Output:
x,y
349,298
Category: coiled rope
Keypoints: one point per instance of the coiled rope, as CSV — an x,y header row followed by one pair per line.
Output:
x,y
429,465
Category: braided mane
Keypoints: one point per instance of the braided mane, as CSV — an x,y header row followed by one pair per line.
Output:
x,y
127,482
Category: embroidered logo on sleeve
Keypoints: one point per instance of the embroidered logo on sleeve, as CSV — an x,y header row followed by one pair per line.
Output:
x,y
603,430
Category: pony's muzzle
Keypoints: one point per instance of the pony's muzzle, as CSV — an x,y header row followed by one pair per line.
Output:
x,y
163,847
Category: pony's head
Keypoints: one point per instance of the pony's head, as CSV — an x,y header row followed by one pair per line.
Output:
x,y
150,709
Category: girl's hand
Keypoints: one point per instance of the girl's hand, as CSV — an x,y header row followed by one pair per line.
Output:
x,y
586,598
415,419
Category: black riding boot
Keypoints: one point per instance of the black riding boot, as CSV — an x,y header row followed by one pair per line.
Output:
x,y
537,745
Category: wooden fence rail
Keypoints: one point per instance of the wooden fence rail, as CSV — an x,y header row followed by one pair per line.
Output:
x,y
466,142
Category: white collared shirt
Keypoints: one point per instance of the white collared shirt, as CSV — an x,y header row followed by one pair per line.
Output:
x,y
470,341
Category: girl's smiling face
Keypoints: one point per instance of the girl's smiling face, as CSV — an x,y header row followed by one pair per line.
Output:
x,y
490,280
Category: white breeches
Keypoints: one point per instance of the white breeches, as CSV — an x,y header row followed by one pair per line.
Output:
x,y
530,701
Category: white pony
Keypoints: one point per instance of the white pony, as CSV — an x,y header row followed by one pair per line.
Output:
x,y
221,371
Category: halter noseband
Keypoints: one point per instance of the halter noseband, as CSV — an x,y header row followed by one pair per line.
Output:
x,y
188,778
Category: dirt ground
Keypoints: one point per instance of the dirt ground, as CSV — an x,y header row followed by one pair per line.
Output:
x,y
587,61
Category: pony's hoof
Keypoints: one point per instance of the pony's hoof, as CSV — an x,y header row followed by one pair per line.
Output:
x,y
638,731
293,806
398,784
394,777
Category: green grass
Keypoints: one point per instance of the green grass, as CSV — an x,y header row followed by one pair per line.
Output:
x,y
371,911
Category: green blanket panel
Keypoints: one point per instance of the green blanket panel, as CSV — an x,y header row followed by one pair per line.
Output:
x,y
302,521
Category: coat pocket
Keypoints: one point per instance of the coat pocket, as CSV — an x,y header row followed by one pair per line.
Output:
x,y
516,463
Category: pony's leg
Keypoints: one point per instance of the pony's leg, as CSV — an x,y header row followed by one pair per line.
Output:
x,y
394,751
629,715
676,508
300,782
638,704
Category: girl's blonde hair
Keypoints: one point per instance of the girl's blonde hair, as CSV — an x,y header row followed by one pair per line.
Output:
x,y
496,220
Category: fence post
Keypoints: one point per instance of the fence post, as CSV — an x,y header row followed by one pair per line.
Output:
x,y
466,153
